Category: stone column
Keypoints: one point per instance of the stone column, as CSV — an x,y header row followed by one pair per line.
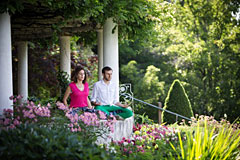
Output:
x,y
65,54
22,49
6,83
100,53
110,48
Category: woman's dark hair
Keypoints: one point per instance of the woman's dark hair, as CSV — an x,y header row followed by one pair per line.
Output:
x,y
75,74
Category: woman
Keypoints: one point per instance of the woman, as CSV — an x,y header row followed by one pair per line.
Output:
x,y
78,91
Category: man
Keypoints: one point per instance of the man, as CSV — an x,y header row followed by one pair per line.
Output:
x,y
104,96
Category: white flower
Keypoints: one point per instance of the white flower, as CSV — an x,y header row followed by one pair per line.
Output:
x,y
125,143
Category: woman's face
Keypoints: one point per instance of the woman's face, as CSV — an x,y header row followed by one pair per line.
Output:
x,y
81,75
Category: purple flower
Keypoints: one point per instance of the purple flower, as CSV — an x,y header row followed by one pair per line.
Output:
x,y
11,97
19,97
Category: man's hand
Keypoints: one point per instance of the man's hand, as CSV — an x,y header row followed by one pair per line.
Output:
x,y
125,105
122,105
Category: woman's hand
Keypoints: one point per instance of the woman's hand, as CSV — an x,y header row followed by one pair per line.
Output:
x,y
90,107
96,103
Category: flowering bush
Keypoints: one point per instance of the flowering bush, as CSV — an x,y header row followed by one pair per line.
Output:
x,y
26,112
33,131
148,138
91,124
200,120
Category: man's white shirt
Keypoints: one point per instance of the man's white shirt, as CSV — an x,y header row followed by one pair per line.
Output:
x,y
104,93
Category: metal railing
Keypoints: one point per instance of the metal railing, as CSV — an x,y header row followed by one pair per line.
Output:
x,y
165,110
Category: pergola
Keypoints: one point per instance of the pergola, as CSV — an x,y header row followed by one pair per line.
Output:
x,y
36,22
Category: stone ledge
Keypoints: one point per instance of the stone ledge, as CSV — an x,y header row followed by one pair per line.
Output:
x,y
122,128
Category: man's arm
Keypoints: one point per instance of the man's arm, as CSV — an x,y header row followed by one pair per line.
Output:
x,y
116,99
94,96
121,105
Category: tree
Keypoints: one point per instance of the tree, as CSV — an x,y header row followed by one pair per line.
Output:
x,y
135,18
199,46
146,87
177,101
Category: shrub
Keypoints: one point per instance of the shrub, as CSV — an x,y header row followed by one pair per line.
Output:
x,y
207,143
148,142
35,142
34,132
177,101
142,119
63,82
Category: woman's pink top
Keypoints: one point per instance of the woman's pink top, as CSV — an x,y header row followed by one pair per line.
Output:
x,y
78,98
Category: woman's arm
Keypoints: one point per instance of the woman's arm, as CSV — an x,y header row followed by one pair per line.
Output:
x,y
89,104
66,95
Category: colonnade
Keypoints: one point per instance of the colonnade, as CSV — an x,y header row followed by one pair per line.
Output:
x,y
107,55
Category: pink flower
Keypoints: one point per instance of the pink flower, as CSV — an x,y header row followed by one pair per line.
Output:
x,y
72,130
14,100
16,122
102,115
62,106
11,97
8,110
19,97
6,121
48,105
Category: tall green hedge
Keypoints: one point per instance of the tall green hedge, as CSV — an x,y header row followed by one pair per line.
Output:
x,y
177,101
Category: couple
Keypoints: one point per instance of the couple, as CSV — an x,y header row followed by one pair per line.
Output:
x,y
104,95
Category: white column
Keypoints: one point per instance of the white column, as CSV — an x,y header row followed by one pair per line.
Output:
x,y
65,54
6,83
100,53
22,49
110,48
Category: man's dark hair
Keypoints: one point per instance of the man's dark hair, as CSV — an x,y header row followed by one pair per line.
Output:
x,y
106,69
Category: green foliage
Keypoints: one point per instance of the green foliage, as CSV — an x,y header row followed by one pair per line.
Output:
x,y
63,82
149,83
198,45
206,144
177,101
35,142
204,51
142,119
144,156
43,101
135,18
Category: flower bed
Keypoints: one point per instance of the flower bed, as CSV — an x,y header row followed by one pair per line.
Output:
x,y
49,132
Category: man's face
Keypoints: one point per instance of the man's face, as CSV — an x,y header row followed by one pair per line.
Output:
x,y
107,75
